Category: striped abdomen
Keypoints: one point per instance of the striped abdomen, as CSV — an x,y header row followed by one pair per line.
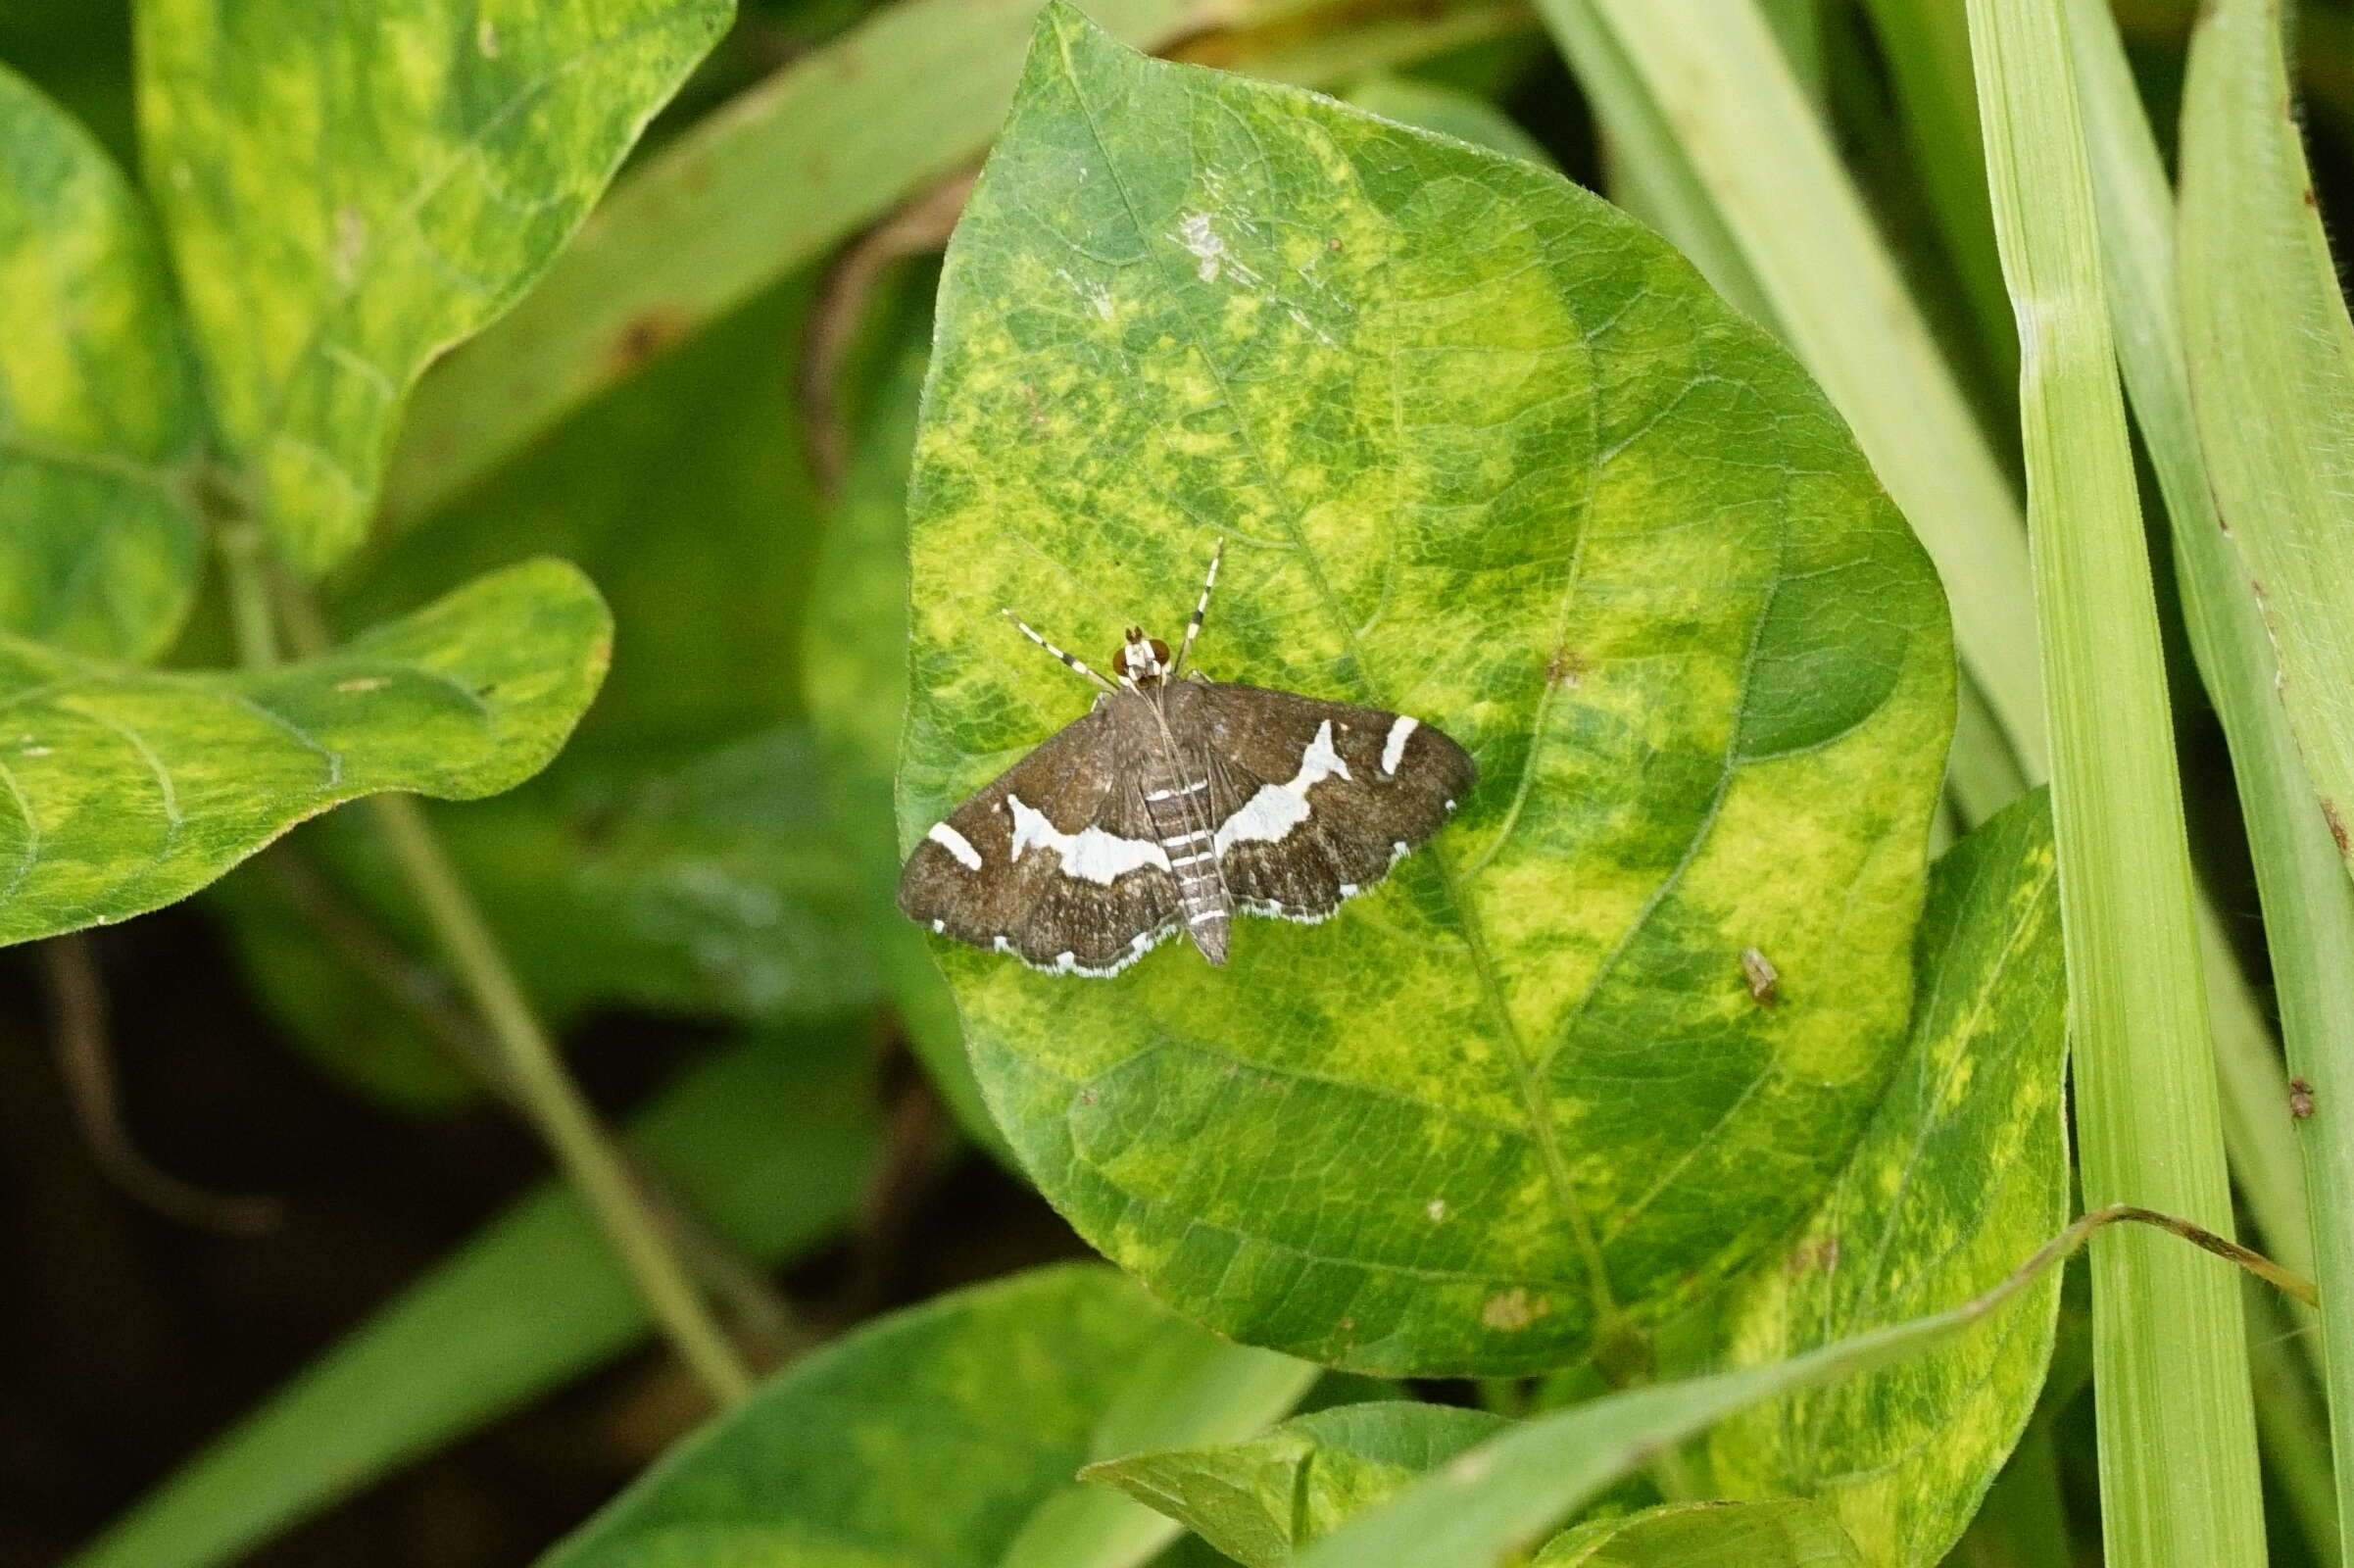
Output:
x,y
1177,797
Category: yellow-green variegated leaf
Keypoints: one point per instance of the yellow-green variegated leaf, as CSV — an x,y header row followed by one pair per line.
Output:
x,y
98,410
1782,1533
949,1436
1260,1500
123,789
1487,453
348,193
1962,1173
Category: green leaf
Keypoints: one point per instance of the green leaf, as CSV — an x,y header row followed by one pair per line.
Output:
x,y
1963,1171
129,789
683,494
532,1301
856,685
1508,1493
2170,1337
2271,351
1487,453
349,194
99,419
1783,1533
905,100
947,1435
675,856
1262,1500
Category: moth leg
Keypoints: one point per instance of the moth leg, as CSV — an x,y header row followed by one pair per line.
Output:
x,y
1192,628
1027,630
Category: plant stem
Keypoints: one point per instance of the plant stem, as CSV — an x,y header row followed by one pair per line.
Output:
x,y
2308,904
554,1103
526,1066
240,544
2177,1441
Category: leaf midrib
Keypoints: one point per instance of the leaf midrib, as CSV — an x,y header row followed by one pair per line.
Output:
x,y
1534,1110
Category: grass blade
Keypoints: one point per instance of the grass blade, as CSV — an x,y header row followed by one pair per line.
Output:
x,y
794,167
532,1301
2169,1347
2271,353
2308,905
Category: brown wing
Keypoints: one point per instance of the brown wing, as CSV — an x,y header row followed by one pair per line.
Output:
x,y
1316,800
1055,860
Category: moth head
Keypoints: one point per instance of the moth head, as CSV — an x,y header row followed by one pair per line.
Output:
x,y
1144,659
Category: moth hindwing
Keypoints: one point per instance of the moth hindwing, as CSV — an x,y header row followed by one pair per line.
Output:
x,y
1173,804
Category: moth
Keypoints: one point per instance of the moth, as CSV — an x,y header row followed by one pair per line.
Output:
x,y
1173,804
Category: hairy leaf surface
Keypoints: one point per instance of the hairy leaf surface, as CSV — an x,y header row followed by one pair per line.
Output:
x,y
121,790
1487,453
345,201
99,418
1783,1533
1261,1501
1963,1172
948,1436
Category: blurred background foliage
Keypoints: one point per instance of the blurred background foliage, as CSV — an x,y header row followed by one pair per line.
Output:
x,y
697,891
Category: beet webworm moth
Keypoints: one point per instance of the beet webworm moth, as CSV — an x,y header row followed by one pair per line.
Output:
x,y
1175,801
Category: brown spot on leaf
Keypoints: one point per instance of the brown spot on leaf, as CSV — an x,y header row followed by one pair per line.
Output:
x,y
1514,1311
2310,200
1818,1254
643,336
351,243
2337,826
1565,669
2300,1098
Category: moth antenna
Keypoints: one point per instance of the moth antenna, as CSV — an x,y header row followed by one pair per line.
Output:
x,y
1027,630
1192,628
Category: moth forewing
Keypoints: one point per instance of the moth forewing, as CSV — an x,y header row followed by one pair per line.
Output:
x,y
1173,803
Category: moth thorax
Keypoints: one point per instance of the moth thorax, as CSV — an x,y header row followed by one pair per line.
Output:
x,y
1144,659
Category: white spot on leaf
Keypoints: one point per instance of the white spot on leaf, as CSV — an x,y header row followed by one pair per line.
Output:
x,y
1194,233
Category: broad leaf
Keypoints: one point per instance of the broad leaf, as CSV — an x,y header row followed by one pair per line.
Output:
x,y
347,200
1449,110
1512,1492
947,1436
99,421
1262,1500
2270,354
1961,1174
1783,1533
1487,453
683,497
126,789
857,681
676,853
769,1141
